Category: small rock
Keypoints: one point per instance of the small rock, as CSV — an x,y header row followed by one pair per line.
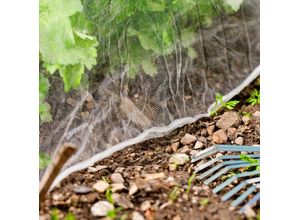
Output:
x,y
232,133
116,178
137,216
164,205
229,119
84,115
245,120
115,187
249,212
203,133
119,169
82,189
169,149
176,217
219,137
133,189
219,155
90,102
57,196
239,141
210,129
256,114
153,176
179,159
101,208
188,139
145,206
203,140
122,201
97,168
175,146
198,145
184,150
101,186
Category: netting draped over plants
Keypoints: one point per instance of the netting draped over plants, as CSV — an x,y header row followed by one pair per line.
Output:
x,y
158,62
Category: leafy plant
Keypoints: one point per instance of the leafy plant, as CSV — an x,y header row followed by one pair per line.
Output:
x,y
108,195
254,97
174,193
44,107
54,215
246,114
112,214
250,160
44,159
219,101
190,181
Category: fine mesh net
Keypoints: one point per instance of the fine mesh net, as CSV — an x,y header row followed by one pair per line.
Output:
x,y
157,65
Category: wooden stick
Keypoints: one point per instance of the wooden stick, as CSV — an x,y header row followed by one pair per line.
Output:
x,y
64,153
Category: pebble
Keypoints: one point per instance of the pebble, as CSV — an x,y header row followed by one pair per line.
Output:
x,y
220,137
122,201
177,217
169,149
133,189
203,133
239,141
116,178
188,139
194,152
229,119
153,176
203,140
198,145
145,206
115,187
232,133
210,129
82,189
101,208
101,186
175,146
137,216
179,159
119,169
184,150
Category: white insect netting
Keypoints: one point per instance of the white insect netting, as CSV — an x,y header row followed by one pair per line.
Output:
x,y
142,90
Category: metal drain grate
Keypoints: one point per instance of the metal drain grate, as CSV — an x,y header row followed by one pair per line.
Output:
x,y
232,167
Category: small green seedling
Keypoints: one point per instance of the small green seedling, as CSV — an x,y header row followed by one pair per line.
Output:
x,y
247,114
44,159
254,97
190,181
250,160
54,215
174,194
108,195
230,174
204,202
105,179
219,101
112,214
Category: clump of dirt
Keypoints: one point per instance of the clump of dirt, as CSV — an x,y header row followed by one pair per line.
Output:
x,y
147,185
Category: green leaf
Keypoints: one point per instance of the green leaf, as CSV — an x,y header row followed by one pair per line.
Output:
x,y
248,159
71,76
233,4
149,67
44,160
44,112
108,195
70,216
43,87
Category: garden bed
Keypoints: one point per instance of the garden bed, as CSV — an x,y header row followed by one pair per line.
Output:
x,y
143,184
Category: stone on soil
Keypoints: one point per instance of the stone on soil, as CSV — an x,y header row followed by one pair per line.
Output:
x,y
198,145
219,137
239,141
188,139
115,187
232,133
137,216
245,120
117,178
101,186
133,189
210,129
256,114
175,146
145,206
153,176
184,150
82,189
229,119
122,201
101,208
